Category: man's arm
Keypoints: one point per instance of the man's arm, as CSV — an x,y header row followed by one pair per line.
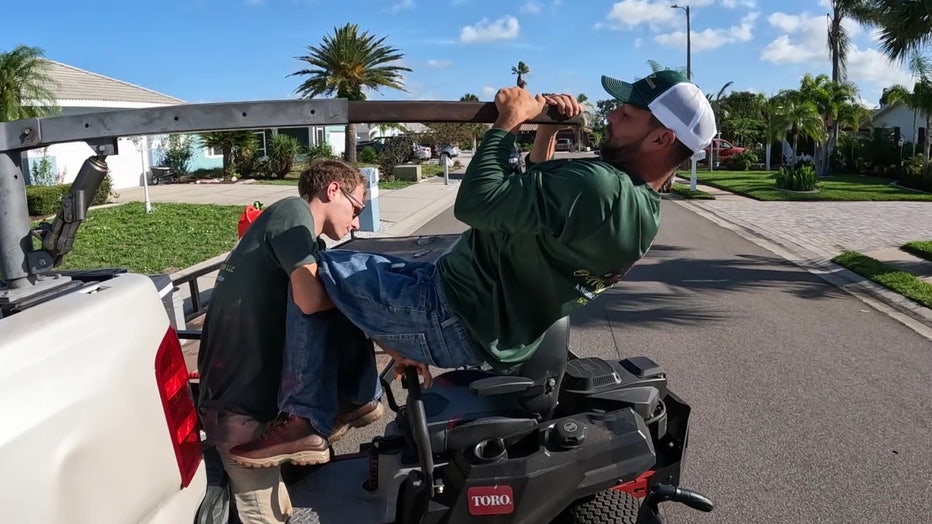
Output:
x,y
545,139
309,293
489,197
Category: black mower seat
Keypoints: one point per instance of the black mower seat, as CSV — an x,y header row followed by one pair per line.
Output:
x,y
465,407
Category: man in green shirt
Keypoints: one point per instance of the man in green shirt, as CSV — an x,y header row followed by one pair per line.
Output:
x,y
540,244
242,346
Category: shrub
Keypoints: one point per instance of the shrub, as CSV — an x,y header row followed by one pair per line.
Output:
x,y
46,200
798,177
368,155
177,157
43,173
393,153
43,200
325,150
283,150
104,193
740,162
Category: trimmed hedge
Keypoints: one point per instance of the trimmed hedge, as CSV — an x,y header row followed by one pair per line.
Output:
x,y
46,200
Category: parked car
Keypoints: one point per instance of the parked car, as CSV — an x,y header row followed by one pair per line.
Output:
x,y
421,152
723,149
564,144
451,151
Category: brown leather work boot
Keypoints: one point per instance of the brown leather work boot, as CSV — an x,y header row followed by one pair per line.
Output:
x,y
290,438
353,416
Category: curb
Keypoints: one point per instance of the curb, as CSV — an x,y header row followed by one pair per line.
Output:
x,y
413,222
895,306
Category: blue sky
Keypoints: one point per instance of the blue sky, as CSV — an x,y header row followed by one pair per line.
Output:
x,y
221,50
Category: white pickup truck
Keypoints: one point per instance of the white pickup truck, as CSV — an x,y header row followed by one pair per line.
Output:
x,y
98,419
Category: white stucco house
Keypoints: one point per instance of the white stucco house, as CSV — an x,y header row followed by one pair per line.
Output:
x,y
912,124
80,92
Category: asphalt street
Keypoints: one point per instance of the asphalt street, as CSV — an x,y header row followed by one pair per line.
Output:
x,y
808,406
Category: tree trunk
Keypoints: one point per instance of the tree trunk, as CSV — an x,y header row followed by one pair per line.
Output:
x,y
925,148
350,143
227,159
767,161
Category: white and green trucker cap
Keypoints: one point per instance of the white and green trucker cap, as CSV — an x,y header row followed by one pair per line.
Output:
x,y
676,102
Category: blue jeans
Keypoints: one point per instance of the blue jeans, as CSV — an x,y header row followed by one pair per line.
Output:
x,y
326,360
397,303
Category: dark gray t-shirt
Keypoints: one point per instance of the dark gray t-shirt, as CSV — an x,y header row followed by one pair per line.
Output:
x,y
240,358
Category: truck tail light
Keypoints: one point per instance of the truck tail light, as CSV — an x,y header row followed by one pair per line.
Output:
x,y
171,374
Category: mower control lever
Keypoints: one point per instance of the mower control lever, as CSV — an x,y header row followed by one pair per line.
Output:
x,y
417,419
650,514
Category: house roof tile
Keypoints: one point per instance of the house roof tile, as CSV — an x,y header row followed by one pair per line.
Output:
x,y
78,84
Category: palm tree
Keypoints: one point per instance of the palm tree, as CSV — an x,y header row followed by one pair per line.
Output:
x,y
776,124
829,97
838,40
229,142
344,64
799,115
26,88
905,27
469,97
854,116
521,70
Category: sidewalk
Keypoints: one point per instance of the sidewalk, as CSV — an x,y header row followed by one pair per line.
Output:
x,y
810,234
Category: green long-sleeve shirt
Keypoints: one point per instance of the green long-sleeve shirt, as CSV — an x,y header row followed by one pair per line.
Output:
x,y
540,244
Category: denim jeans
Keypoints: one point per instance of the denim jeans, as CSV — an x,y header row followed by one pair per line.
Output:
x,y
326,360
395,302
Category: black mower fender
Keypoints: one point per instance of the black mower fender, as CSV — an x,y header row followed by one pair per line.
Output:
x,y
535,480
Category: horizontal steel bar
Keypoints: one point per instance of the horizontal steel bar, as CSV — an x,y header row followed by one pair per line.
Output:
x,y
195,118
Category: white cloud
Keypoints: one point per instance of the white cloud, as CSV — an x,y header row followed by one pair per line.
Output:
x,y
805,42
711,38
632,13
505,28
531,7
870,65
403,5
739,3
805,39
488,92
638,42
439,64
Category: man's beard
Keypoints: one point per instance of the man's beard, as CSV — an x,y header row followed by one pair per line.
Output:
x,y
618,155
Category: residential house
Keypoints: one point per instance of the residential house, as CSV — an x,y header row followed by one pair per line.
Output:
x,y
80,92
911,124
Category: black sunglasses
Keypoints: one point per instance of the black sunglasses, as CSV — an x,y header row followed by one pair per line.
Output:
x,y
358,207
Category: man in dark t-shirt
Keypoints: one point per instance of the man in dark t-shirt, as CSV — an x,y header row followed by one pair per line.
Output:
x,y
241,352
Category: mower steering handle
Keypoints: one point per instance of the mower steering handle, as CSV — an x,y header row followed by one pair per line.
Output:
x,y
417,420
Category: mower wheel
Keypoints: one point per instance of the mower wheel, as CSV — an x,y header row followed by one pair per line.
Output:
x,y
605,507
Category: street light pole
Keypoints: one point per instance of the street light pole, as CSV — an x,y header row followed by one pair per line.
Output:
x,y
689,76
689,69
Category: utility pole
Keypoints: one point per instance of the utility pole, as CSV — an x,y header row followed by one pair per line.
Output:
x,y
689,69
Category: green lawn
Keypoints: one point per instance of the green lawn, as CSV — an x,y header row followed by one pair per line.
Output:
x,y
903,283
760,185
172,237
683,190
920,248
